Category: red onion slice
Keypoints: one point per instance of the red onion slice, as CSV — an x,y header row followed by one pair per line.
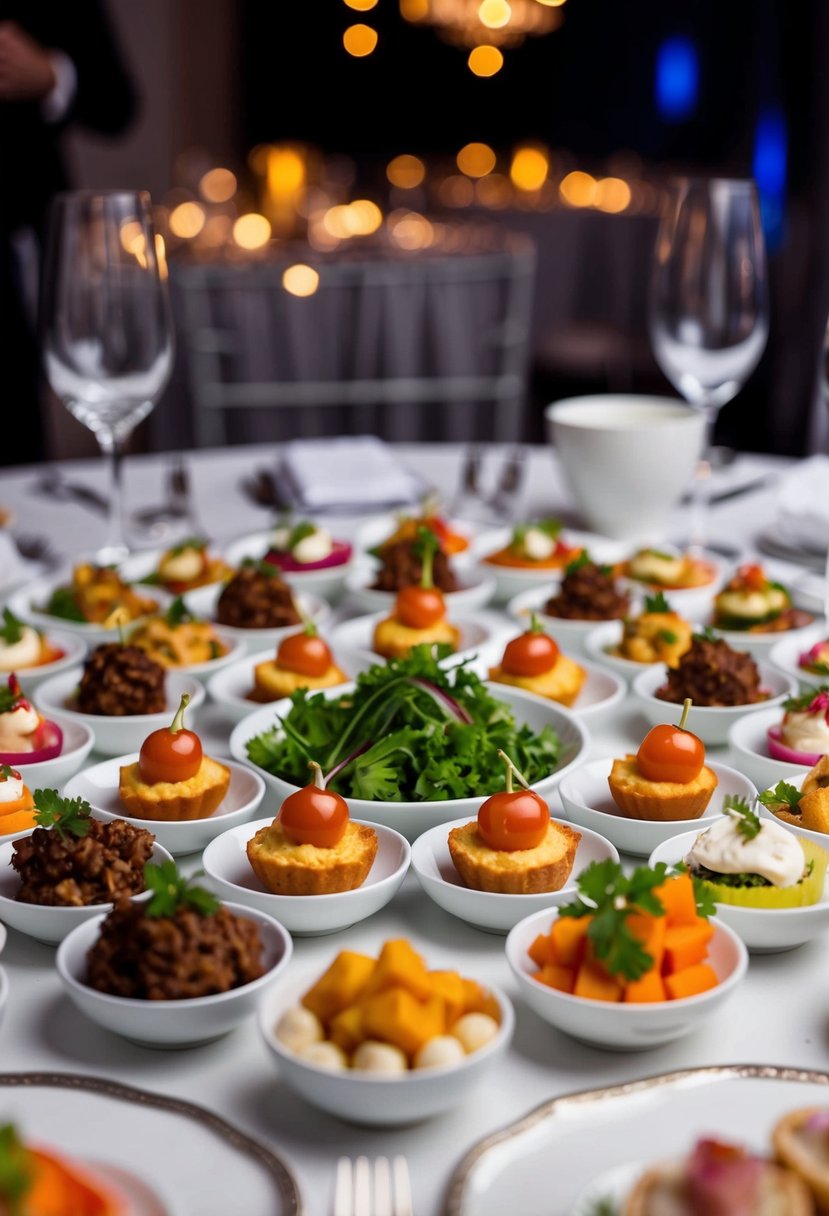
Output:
x,y
779,751
50,739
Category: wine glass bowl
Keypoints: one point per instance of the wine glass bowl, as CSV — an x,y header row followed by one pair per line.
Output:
x,y
107,336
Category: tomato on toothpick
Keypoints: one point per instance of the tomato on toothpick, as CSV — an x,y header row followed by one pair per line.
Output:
x,y
315,815
532,653
671,753
305,653
423,605
171,753
752,576
513,819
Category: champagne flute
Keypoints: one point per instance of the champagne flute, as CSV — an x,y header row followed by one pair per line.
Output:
x,y
107,335
708,303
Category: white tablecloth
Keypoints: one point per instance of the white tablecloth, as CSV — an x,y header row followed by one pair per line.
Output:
x,y
778,1016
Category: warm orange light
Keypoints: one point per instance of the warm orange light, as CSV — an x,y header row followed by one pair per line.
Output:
x,y
300,280
187,220
485,60
612,194
551,3
216,231
493,191
529,168
476,160
406,171
161,256
578,189
410,230
365,216
285,171
132,236
361,6
494,14
218,185
456,191
360,40
414,10
251,231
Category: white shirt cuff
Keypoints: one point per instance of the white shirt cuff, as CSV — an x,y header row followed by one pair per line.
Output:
x,y
56,103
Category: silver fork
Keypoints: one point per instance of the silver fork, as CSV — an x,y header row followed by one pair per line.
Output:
x,y
381,1188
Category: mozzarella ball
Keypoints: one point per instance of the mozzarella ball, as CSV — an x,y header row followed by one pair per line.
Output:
x,y
298,1027
324,1055
474,1030
439,1052
372,1056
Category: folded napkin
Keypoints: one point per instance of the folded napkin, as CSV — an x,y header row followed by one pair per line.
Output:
x,y
347,474
14,569
803,505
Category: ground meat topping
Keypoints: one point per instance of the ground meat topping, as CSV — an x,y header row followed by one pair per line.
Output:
x,y
174,957
255,599
713,674
75,871
401,567
588,593
119,680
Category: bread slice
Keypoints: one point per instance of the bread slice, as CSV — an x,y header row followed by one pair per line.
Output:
x,y
523,872
661,1192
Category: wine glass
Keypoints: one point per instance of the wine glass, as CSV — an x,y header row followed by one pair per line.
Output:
x,y
107,337
708,303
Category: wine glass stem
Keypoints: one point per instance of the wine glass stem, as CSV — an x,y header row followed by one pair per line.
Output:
x,y
701,487
112,446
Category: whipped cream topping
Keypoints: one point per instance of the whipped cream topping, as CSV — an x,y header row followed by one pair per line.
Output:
x,y
806,732
657,567
538,545
774,853
183,567
315,547
23,653
17,728
11,789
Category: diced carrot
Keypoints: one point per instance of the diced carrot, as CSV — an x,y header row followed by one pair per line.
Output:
x,y
648,988
448,985
555,976
686,945
651,933
569,937
542,950
691,981
474,996
593,982
677,897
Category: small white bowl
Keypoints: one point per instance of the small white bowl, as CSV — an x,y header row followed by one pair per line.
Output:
x,y
570,635
690,602
476,629
203,601
476,590
496,913
598,697
380,1101
748,738
74,650
229,687
44,923
412,818
226,864
99,786
513,580
144,564
206,670
328,583
77,744
821,838
178,1023
597,645
29,603
760,645
785,654
114,735
588,802
620,1026
764,930
711,723
376,531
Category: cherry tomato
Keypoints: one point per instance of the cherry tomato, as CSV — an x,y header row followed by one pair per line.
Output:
x,y
530,654
305,653
172,753
671,753
752,576
419,607
514,819
315,815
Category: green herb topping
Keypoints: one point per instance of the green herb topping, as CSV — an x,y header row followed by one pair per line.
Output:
x,y
67,816
178,613
63,603
805,699
7,773
657,603
783,794
199,543
171,891
16,1170
748,822
11,630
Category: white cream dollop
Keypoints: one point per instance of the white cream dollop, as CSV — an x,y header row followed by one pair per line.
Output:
x,y
11,790
805,732
314,547
281,538
23,653
183,567
774,853
538,545
17,728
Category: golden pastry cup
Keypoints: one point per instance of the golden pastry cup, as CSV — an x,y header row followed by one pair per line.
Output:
x,y
174,801
287,868
659,801
523,872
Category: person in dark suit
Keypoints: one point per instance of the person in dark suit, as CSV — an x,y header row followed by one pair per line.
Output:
x,y
59,64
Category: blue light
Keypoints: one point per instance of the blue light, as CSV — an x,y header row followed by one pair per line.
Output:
x,y
769,168
677,78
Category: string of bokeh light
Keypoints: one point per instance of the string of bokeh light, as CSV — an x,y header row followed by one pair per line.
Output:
x,y
484,27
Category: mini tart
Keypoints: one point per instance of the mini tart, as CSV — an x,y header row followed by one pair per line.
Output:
x,y
562,683
804,1152
659,801
654,637
803,894
174,801
523,872
287,868
272,682
661,1190
394,640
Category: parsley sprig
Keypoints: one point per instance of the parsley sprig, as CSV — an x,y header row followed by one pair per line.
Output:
x,y
657,603
172,891
10,697
16,1169
7,773
805,699
11,631
178,613
67,816
783,794
748,822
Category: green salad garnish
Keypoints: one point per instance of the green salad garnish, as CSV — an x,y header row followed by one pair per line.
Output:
x,y
410,731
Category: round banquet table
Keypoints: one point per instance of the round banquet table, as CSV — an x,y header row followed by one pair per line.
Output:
x,y
778,1016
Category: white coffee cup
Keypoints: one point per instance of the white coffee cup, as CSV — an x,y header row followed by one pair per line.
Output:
x,y
626,458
